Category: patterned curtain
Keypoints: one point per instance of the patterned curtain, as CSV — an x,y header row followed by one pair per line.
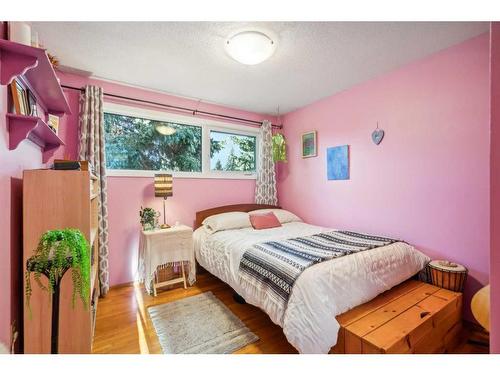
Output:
x,y
91,148
265,186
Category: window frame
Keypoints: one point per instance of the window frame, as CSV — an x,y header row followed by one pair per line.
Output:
x,y
206,125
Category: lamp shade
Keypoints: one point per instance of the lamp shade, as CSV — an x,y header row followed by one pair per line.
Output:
x,y
163,185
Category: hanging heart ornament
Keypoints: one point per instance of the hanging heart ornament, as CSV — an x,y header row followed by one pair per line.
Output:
x,y
377,136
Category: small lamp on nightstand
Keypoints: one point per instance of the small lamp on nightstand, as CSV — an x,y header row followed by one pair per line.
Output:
x,y
163,188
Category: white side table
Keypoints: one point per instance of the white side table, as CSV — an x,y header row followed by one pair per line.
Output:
x,y
166,247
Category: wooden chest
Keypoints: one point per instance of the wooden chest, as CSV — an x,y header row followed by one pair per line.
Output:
x,y
413,317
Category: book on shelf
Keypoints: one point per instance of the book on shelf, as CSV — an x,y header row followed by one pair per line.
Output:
x,y
67,165
83,164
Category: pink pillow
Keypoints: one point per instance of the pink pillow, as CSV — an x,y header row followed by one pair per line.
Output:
x,y
264,221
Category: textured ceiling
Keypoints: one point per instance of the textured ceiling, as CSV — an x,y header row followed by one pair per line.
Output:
x,y
312,60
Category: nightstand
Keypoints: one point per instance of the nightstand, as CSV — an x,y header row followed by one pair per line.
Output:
x,y
162,248
448,275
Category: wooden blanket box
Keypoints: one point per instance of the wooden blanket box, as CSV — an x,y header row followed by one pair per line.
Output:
x,y
413,317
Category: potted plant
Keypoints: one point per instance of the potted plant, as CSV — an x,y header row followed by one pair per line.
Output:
x,y
57,252
149,218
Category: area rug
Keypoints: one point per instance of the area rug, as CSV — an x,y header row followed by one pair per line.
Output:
x,y
199,324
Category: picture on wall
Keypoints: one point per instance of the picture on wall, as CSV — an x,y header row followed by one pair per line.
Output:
x,y
309,144
54,123
337,162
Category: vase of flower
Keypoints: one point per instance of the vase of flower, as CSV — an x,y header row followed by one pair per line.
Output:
x,y
149,218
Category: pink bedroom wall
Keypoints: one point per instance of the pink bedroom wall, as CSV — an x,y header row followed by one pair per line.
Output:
x,y
12,164
495,188
127,194
428,181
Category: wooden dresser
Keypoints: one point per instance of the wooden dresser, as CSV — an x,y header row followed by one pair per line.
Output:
x,y
413,317
58,200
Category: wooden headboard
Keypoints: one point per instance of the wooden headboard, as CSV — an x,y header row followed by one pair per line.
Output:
x,y
246,207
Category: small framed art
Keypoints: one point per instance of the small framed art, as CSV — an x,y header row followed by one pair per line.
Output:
x,y
54,123
309,148
337,162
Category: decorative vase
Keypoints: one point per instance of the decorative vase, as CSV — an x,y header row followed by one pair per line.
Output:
x,y
149,218
148,226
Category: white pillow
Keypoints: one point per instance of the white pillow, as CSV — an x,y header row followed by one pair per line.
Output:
x,y
283,216
227,220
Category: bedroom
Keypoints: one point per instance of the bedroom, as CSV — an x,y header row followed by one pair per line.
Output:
x,y
255,187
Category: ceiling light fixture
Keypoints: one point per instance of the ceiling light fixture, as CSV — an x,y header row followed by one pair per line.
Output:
x,y
250,47
165,129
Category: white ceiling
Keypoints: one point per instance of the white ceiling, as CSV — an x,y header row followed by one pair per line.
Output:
x,y
312,60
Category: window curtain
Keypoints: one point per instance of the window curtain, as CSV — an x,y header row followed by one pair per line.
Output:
x,y
265,186
91,148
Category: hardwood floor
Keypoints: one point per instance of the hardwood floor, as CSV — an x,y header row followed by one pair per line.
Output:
x,y
123,324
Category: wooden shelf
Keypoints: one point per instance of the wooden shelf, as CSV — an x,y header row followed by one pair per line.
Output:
x,y
16,59
93,236
94,315
94,302
36,130
55,199
93,276
34,65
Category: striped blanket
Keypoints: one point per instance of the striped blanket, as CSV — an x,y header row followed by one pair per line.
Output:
x,y
274,266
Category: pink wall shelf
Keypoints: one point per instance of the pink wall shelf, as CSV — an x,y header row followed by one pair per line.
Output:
x,y
34,65
36,130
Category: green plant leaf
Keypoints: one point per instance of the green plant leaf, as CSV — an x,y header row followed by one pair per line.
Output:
x,y
57,252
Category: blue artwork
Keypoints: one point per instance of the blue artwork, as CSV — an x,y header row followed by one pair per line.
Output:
x,y
337,162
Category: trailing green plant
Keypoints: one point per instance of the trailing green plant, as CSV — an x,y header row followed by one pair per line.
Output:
x,y
149,217
58,251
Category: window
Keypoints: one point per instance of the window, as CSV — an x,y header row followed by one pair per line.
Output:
x,y
135,143
137,146
232,152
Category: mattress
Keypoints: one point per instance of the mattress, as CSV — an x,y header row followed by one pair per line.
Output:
x,y
322,291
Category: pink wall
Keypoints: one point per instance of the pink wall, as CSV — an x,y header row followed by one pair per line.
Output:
x,y
428,181
495,189
12,163
127,194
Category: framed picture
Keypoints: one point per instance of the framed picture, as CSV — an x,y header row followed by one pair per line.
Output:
x,y
337,162
309,144
54,123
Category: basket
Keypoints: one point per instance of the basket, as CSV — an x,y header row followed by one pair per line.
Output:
x,y
447,275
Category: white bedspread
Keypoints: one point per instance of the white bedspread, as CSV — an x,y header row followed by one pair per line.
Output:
x,y
322,291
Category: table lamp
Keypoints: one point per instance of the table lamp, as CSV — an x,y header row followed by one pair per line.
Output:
x,y
480,307
163,188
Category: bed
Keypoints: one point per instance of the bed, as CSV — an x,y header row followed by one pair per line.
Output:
x,y
321,292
